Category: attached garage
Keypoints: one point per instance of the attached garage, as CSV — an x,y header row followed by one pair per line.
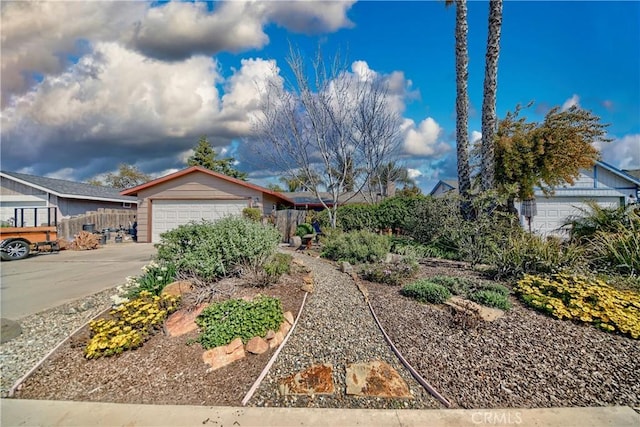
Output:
x,y
194,194
554,212
169,214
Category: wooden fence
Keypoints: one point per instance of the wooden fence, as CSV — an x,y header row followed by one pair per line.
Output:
x,y
101,219
287,221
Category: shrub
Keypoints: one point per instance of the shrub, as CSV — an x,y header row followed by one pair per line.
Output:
x,y
254,214
526,253
456,285
131,324
426,291
211,250
221,323
356,247
396,212
393,273
491,298
155,278
356,217
274,268
595,218
579,298
617,251
304,229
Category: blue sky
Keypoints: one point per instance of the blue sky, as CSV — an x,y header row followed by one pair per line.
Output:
x,y
100,83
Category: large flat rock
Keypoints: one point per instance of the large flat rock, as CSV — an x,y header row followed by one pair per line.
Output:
x,y
317,379
376,379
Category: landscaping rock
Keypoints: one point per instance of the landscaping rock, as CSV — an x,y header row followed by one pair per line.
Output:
x,y
376,379
487,314
276,340
271,334
257,345
234,345
345,267
295,242
317,379
183,321
178,288
308,283
288,316
10,329
284,328
218,357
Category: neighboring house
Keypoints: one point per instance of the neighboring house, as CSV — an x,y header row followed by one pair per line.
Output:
x,y
444,186
603,183
194,194
309,201
18,190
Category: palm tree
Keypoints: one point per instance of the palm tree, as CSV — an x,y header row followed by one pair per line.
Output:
x,y
390,173
489,117
462,102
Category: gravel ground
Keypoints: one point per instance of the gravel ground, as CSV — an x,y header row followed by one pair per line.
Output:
x,y
525,359
42,332
335,327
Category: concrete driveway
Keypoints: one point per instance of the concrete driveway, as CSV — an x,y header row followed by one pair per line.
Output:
x,y
45,281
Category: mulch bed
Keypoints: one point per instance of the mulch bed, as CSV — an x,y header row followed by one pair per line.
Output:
x,y
165,370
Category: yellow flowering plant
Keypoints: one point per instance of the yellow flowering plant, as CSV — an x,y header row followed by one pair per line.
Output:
x,y
129,325
582,299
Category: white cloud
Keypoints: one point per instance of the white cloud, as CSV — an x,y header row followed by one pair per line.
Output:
x,y
475,137
423,139
413,173
574,100
623,153
64,173
37,37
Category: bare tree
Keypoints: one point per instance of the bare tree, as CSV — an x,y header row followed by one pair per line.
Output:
x,y
333,128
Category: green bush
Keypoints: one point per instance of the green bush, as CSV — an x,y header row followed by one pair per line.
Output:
x,y
393,273
211,250
491,298
595,218
155,278
617,251
396,212
356,247
254,214
456,285
304,229
356,217
526,253
426,291
276,266
221,323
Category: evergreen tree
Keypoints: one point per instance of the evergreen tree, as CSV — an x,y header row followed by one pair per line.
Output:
x,y
205,156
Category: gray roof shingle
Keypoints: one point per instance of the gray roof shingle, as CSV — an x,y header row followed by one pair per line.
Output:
x,y
64,188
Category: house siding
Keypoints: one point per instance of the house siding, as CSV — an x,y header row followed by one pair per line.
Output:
x,y
72,207
9,187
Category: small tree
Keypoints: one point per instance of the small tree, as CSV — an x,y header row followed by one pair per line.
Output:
x,y
204,155
332,127
545,154
127,176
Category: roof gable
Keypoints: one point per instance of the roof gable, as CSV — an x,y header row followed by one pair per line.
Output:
x,y
68,189
198,169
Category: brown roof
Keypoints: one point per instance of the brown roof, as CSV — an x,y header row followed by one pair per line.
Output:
x,y
134,191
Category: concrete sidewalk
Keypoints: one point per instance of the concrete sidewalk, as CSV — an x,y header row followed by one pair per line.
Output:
x,y
17,412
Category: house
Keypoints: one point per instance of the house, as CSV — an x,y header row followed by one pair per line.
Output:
x,y
444,186
18,190
603,183
194,194
308,200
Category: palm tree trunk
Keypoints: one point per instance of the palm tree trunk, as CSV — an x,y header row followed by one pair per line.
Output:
x,y
462,104
489,118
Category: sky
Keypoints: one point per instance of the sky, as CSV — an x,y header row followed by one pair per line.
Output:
x,y
91,84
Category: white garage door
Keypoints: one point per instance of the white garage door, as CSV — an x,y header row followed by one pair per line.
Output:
x,y
168,214
553,212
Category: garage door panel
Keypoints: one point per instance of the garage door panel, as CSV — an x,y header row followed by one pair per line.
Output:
x,y
554,212
169,214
